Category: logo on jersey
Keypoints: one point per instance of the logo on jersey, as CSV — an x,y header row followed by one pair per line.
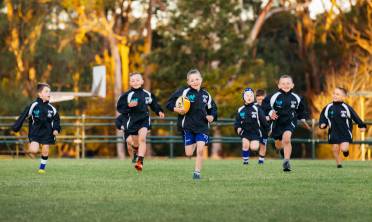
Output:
x,y
293,104
50,113
191,97
242,115
148,100
254,115
343,114
205,98
279,103
36,113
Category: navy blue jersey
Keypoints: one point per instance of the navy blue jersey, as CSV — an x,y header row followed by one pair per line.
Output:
x,y
265,130
201,105
339,117
288,105
130,116
43,119
251,119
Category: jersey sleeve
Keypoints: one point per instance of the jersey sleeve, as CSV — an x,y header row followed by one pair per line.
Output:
x,y
155,105
262,118
302,112
122,105
354,116
19,122
322,118
266,106
212,110
238,121
56,122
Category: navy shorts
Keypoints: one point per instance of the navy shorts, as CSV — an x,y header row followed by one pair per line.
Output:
x,y
249,135
279,129
190,138
263,140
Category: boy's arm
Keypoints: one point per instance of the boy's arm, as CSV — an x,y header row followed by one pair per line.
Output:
x,y
263,120
171,103
323,122
302,112
56,122
19,122
213,110
122,105
238,122
266,106
356,118
155,105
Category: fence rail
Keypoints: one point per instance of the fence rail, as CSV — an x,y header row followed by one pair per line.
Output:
x,y
83,122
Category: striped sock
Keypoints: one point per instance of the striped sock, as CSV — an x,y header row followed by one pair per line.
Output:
x,y
43,162
245,155
261,159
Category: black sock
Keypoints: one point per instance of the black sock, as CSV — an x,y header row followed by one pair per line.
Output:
x,y
140,158
346,153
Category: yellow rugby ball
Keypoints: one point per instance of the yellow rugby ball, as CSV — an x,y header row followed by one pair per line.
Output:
x,y
183,103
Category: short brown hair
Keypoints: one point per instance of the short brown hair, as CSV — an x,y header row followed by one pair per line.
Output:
x,y
41,86
193,71
342,89
286,77
134,73
260,92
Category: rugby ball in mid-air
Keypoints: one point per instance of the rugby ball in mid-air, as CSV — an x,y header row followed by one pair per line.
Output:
x,y
183,103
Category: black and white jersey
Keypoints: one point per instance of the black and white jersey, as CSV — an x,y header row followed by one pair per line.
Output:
x,y
288,105
339,117
139,113
251,119
43,119
201,105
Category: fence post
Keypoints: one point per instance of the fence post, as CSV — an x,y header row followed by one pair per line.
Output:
x,y
171,146
312,138
83,136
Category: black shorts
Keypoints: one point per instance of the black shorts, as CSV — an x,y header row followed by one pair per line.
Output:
x,y
263,140
249,135
45,141
337,139
133,128
279,129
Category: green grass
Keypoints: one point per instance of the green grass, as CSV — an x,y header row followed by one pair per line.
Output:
x,y
111,190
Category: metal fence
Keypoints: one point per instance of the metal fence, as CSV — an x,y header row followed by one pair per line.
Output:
x,y
80,124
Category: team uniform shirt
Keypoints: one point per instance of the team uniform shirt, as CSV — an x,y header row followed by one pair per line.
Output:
x,y
339,117
289,107
194,123
251,119
134,118
265,131
43,119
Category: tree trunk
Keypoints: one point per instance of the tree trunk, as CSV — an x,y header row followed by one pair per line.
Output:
x,y
117,87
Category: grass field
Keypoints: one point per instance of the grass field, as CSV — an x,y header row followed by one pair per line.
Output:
x,y
111,190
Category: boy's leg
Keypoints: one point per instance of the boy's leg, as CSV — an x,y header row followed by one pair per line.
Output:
x,y
287,146
142,133
33,148
254,145
245,151
132,143
336,151
44,158
189,150
345,148
199,156
262,152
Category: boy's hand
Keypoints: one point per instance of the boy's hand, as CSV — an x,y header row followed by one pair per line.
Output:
x,y
133,104
55,132
161,115
323,125
239,130
210,118
362,130
273,115
179,110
